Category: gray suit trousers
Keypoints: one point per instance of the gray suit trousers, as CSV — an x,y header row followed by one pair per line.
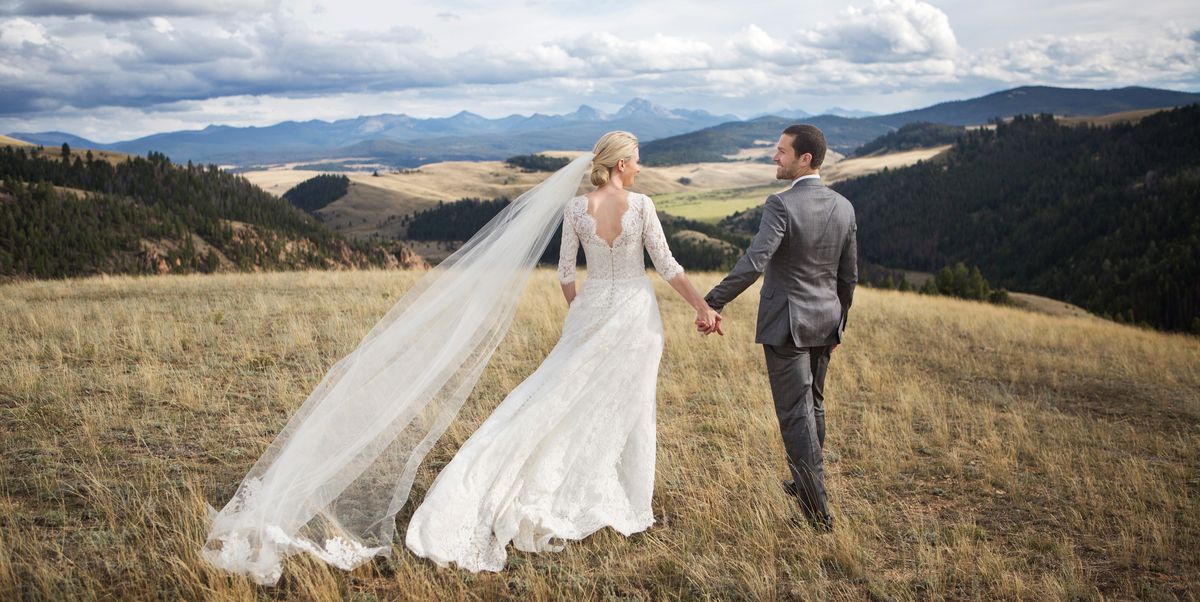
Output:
x,y
797,376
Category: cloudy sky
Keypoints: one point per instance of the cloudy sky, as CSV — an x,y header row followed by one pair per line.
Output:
x,y
117,69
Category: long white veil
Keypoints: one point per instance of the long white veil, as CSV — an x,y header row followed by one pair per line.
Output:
x,y
334,478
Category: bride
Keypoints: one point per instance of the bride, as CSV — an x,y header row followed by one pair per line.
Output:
x,y
569,451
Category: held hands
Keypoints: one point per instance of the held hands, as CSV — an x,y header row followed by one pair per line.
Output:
x,y
708,321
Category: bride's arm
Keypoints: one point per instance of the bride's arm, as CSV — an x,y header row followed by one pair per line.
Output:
x,y
660,253
706,317
567,252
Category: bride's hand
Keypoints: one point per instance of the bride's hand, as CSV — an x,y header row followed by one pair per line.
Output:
x,y
708,321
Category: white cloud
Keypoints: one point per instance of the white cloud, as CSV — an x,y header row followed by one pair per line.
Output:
x,y
15,33
1093,60
887,31
609,55
162,25
754,45
169,58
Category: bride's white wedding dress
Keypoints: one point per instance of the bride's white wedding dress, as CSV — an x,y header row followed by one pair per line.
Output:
x,y
572,448
569,451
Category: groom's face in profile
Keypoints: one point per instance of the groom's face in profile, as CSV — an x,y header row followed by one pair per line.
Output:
x,y
789,165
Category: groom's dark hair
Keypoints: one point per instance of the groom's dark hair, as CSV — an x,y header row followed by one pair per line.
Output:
x,y
808,139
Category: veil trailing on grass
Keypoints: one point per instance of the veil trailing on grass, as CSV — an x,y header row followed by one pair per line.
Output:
x,y
334,478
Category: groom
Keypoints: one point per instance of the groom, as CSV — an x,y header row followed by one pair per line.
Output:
x,y
806,247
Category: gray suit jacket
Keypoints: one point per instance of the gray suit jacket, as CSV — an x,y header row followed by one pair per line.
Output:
x,y
807,248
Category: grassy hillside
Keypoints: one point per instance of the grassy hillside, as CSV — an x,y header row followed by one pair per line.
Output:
x,y
7,141
974,451
911,137
80,214
377,205
713,205
55,151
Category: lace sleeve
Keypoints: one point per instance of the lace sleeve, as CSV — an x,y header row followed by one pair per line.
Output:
x,y
656,243
569,250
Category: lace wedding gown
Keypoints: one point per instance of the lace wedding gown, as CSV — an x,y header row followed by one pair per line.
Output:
x,y
572,448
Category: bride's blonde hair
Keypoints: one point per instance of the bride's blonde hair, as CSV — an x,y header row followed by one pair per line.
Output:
x,y
609,149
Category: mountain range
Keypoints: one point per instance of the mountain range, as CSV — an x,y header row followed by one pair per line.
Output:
x,y
668,135
399,139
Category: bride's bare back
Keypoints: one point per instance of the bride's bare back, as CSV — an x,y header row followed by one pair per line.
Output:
x,y
607,207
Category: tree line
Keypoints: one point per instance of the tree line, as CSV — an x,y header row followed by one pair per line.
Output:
x,y
318,191
1105,217
912,136
460,220
97,224
531,163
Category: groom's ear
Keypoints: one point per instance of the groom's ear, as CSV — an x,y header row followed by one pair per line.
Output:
x,y
806,159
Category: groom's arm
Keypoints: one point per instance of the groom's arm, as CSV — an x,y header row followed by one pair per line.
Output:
x,y
847,276
752,263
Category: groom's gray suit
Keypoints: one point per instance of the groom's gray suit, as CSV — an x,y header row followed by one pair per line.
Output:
x,y
807,249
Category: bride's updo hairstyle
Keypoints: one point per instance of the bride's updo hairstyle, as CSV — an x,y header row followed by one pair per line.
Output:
x,y
609,149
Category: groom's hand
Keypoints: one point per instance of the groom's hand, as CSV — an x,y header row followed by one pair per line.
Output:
x,y
708,321
709,329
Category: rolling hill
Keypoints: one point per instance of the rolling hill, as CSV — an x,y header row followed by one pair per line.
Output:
x,y
7,141
80,214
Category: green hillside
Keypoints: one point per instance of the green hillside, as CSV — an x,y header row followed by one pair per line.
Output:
x,y
316,192
77,215
1107,218
914,135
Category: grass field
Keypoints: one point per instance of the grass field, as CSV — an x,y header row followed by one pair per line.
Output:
x,y
55,152
7,141
712,205
974,451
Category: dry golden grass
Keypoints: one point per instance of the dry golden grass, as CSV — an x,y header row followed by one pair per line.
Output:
x,y
373,199
712,204
1112,118
713,191
861,166
55,152
453,180
1047,305
975,452
9,141
364,207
